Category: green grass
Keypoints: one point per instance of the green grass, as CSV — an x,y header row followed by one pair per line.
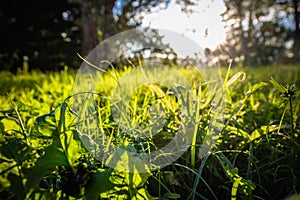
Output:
x,y
47,136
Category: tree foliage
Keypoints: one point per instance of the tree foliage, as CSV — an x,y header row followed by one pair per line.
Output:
x,y
46,32
262,32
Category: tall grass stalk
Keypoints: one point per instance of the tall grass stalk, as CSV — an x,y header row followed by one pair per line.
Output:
x,y
197,120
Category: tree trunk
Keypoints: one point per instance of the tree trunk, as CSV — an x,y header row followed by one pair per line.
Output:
x,y
107,23
244,41
250,37
297,31
88,27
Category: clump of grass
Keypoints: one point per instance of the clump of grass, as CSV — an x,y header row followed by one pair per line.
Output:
x,y
257,145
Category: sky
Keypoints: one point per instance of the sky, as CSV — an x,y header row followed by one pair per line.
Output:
x,y
203,25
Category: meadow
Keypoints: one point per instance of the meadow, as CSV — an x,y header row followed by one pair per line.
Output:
x,y
48,152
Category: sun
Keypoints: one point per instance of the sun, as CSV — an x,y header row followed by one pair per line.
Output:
x,y
203,24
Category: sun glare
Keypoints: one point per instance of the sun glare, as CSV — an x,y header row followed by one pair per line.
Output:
x,y
202,24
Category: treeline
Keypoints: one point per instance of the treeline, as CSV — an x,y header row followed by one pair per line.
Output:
x,y
48,34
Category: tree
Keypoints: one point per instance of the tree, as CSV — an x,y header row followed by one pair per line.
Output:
x,y
297,27
99,22
88,27
292,8
240,31
258,31
44,31
127,15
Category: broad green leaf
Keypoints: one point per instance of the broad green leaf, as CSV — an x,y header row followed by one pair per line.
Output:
x,y
54,156
99,184
127,184
15,149
72,145
58,125
10,125
88,143
125,161
63,117
16,184
44,127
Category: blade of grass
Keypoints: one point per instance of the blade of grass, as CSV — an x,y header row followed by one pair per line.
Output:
x,y
197,120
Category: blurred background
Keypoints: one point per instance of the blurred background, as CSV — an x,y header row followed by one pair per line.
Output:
x,y
47,35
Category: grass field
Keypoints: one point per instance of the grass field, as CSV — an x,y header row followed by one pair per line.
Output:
x,y
48,152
